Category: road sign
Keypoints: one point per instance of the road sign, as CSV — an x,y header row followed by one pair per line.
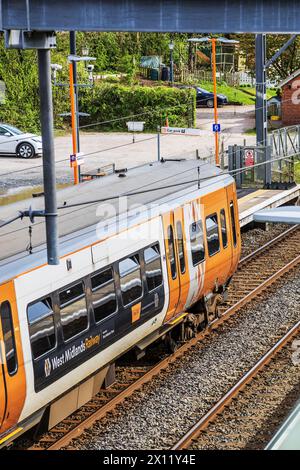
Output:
x,y
249,157
216,127
76,159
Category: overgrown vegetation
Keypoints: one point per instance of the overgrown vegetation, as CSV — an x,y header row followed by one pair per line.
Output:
x,y
149,104
105,102
119,52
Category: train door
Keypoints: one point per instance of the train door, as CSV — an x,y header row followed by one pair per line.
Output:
x,y
172,265
182,261
2,386
13,374
234,227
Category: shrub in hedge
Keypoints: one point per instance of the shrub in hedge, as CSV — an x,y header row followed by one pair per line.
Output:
x,y
109,102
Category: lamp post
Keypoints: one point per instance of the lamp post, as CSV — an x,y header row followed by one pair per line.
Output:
x,y
75,114
171,47
216,126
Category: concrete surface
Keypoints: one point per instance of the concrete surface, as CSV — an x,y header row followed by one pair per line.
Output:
x,y
111,147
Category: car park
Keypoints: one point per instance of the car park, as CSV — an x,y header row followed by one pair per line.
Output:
x,y
206,98
13,141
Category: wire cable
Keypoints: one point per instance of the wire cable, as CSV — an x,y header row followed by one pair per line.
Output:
x,y
129,194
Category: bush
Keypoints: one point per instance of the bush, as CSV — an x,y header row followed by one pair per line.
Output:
x,y
150,104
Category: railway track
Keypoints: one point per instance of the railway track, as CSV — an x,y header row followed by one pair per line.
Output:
x,y
264,267
193,437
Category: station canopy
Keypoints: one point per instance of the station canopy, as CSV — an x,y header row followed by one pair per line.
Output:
x,y
282,215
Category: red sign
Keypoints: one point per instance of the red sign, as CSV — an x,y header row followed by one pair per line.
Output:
x,y
249,157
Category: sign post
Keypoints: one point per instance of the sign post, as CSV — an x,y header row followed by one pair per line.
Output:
x,y
214,67
74,164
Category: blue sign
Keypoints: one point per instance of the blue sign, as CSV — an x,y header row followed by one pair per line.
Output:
x,y
216,127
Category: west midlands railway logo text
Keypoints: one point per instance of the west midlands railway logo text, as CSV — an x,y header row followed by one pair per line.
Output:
x,y
58,361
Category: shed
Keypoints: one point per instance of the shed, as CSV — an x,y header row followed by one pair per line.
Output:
x,y
274,106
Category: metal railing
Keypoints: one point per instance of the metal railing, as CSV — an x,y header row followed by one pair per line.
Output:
x,y
285,141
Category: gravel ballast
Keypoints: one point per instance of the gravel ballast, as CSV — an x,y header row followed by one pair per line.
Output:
x,y
163,411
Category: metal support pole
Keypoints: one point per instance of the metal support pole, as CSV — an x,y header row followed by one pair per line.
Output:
x,y
73,52
171,67
73,120
268,167
239,175
214,71
46,111
288,43
230,158
158,143
261,104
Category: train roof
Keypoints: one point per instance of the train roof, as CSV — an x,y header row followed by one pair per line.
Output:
x,y
147,184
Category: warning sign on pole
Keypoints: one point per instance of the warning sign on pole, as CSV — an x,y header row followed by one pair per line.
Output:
x,y
249,157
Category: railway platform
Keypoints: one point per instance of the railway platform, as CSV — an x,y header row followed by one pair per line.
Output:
x,y
251,201
288,436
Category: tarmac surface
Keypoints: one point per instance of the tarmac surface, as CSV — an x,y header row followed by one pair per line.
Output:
x,y
18,176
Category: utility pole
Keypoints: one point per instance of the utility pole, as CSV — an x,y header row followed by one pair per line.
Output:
x,y
46,112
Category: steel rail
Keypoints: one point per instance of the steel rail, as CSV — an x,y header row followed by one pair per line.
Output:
x,y
164,364
269,244
202,424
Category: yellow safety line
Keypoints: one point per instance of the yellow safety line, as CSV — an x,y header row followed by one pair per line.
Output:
x,y
178,318
16,431
252,195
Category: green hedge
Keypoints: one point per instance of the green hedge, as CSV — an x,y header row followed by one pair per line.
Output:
x,y
150,104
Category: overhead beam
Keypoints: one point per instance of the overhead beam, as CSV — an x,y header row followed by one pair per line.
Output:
x,y
213,16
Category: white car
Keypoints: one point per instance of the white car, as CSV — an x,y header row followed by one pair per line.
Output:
x,y
19,143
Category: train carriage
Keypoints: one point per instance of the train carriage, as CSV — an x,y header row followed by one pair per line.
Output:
x,y
129,274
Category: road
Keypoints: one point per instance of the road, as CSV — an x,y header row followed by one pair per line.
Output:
x,y
20,176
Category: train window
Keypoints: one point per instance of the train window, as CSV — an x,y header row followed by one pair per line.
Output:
x,y
171,255
233,224
153,267
41,327
223,228
73,311
212,234
130,278
103,294
197,246
9,338
180,246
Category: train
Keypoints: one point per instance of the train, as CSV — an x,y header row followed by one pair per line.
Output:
x,y
149,259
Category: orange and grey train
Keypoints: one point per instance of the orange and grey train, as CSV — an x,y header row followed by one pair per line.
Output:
x,y
154,268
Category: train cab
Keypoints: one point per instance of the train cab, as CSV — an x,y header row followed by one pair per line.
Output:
x,y
12,374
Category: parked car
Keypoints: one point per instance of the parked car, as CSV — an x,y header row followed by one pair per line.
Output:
x,y
13,141
206,98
